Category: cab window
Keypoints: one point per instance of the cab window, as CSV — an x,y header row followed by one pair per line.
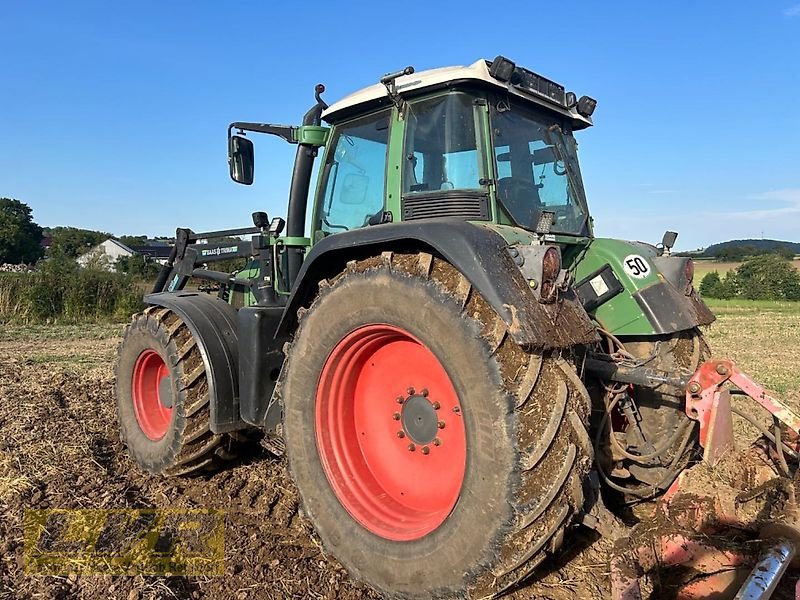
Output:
x,y
354,174
441,146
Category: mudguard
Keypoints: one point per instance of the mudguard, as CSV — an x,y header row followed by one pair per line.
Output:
x,y
479,253
212,322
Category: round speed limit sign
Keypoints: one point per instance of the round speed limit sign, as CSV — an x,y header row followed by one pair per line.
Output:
x,y
636,266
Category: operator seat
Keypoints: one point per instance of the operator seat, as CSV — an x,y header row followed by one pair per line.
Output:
x,y
521,198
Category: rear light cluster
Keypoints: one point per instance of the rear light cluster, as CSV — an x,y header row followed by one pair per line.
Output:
x,y
688,271
541,267
551,267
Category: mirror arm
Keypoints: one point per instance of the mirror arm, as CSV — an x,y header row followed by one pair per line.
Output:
x,y
286,132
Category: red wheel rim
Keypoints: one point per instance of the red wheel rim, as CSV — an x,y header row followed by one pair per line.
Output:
x,y
390,432
151,414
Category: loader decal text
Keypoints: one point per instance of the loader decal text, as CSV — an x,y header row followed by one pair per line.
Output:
x,y
124,542
219,251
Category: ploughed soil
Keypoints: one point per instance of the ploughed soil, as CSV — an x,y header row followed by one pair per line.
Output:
x,y
59,448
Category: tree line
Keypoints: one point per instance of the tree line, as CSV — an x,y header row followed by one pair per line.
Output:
x,y
765,277
21,241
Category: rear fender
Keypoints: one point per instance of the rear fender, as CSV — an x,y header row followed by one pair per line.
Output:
x,y
654,300
479,253
212,322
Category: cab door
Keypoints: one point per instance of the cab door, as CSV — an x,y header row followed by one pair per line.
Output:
x,y
352,188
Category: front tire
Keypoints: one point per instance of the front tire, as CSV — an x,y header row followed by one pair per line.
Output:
x,y
488,471
162,399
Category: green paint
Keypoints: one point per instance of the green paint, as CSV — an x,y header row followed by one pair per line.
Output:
x,y
293,241
621,315
394,165
251,270
312,135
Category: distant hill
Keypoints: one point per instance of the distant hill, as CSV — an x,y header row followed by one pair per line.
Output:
x,y
760,246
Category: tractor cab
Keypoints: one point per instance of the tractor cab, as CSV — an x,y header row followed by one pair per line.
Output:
x,y
489,142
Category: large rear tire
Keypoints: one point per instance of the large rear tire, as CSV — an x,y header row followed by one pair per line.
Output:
x,y
662,408
434,456
162,399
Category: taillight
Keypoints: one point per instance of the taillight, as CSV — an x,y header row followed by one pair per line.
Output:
x,y
688,271
551,267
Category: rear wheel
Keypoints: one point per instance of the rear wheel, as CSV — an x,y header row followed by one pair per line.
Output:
x,y
162,397
433,455
664,439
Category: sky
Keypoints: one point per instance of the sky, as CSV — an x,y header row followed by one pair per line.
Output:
x,y
113,116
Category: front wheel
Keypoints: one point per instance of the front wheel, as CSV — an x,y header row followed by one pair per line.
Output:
x,y
162,397
433,455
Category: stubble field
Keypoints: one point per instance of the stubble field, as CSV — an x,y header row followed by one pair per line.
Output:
x,y
59,448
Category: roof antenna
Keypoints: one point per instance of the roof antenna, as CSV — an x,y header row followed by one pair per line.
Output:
x,y
389,81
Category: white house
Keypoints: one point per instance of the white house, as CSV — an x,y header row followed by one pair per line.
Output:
x,y
105,255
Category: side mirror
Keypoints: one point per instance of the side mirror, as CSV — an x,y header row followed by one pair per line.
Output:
x,y
240,159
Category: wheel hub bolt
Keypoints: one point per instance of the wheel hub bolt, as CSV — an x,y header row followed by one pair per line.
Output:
x,y
412,447
424,392
436,405
410,391
400,399
401,434
437,442
440,424
396,416
426,450
456,410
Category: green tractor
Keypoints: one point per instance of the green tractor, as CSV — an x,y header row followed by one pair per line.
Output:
x,y
457,370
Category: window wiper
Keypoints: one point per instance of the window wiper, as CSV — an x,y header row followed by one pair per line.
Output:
x,y
573,184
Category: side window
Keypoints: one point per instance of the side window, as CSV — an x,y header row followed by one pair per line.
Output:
x,y
441,145
355,172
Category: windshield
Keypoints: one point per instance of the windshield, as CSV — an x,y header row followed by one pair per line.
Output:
x,y
537,170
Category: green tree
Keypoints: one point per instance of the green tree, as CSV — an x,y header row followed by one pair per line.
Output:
x,y
137,266
785,252
709,286
71,242
133,240
767,277
20,237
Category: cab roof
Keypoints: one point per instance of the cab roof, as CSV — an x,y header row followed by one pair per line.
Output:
x,y
544,93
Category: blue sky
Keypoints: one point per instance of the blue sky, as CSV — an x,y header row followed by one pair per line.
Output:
x,y
113,115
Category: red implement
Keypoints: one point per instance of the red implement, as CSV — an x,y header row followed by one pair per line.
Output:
x,y
725,513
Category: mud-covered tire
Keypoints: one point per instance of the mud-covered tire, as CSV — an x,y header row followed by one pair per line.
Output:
x,y
524,417
186,444
662,407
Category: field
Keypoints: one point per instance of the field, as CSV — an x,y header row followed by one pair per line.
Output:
x,y
59,448
703,267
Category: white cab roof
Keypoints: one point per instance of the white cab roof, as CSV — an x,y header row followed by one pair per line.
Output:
x,y
478,71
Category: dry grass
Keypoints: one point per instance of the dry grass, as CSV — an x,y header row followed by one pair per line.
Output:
x,y
763,338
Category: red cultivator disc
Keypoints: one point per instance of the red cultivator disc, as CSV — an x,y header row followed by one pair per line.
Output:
x,y
390,433
152,414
